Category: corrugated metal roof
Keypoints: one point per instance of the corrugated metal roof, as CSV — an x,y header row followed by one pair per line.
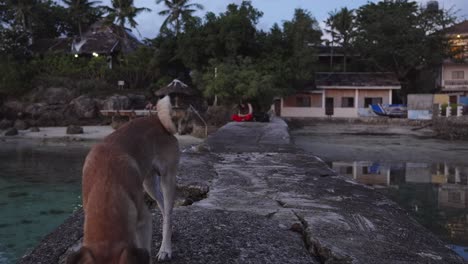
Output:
x,y
460,28
356,79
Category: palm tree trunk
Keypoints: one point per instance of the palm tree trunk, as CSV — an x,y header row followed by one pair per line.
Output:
x,y
80,32
177,26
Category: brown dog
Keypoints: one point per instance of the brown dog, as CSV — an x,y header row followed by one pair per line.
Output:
x,y
142,154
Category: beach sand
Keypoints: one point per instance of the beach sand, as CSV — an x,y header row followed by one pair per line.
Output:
x,y
90,134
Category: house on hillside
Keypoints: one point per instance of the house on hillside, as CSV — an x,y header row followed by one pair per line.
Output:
x,y
453,79
345,94
100,39
103,39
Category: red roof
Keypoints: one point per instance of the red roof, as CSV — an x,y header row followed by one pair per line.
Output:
x,y
460,28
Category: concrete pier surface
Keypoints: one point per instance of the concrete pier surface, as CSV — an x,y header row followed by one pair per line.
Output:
x,y
248,195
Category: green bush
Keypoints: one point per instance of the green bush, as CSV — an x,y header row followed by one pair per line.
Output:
x,y
15,77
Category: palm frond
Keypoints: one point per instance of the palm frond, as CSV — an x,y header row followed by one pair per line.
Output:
x,y
196,5
164,12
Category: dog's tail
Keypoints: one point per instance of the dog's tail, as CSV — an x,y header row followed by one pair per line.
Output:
x,y
164,109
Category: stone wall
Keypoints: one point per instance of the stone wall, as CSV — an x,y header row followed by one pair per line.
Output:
x,y
454,128
378,120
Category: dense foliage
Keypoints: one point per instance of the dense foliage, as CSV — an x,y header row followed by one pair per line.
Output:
x,y
223,55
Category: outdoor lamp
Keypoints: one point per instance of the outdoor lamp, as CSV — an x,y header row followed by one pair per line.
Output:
x,y
95,54
76,55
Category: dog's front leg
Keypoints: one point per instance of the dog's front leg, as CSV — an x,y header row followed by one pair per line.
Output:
x,y
168,189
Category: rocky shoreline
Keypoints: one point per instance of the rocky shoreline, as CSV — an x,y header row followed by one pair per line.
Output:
x,y
57,106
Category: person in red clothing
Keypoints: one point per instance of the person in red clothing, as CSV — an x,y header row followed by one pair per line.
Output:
x,y
245,113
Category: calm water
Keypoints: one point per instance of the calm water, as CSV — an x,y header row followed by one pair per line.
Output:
x,y
39,189
436,194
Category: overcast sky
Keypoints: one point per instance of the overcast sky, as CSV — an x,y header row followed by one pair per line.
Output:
x,y
274,10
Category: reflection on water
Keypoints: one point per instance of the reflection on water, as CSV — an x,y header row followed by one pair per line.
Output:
x,y
39,189
436,194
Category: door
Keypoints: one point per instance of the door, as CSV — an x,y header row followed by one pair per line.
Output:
x,y
278,107
329,106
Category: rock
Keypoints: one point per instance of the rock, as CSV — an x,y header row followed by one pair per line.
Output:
x,y
11,132
53,115
5,123
34,129
52,95
137,101
116,102
84,107
72,129
21,124
12,108
35,110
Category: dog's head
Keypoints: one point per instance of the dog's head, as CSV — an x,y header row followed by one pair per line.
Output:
x,y
130,255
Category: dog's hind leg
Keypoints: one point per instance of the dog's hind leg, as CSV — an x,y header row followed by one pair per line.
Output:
x,y
152,186
168,182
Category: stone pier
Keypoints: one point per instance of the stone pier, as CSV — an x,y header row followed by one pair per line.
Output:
x,y
261,200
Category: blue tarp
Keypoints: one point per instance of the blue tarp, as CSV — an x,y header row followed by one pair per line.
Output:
x,y
378,109
464,100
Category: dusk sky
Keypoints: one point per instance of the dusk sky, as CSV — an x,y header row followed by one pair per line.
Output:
x,y
274,10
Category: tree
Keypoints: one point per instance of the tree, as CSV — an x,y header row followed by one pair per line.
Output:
x,y
341,24
239,78
83,13
124,12
23,12
301,35
400,37
179,13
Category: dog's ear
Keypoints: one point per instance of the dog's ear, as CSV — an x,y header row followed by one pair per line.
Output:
x,y
83,256
134,255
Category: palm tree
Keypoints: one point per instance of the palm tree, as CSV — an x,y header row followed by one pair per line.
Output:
x,y
342,25
23,14
82,12
123,12
178,13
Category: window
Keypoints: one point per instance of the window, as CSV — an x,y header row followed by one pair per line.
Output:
x,y
372,101
365,170
454,197
347,102
458,75
346,170
303,101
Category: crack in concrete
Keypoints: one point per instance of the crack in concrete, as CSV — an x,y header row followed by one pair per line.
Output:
x,y
316,250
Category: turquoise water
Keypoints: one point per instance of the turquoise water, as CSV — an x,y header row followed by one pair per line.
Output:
x,y
39,189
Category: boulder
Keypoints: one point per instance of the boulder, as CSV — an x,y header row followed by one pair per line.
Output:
x,y
5,123
21,124
35,110
116,102
84,107
137,101
54,115
12,108
52,95
11,132
34,129
72,129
